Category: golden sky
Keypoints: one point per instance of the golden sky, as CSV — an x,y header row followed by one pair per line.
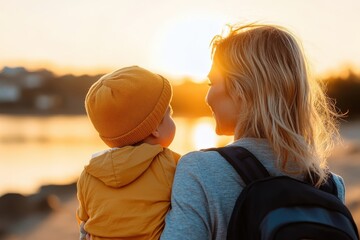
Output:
x,y
168,36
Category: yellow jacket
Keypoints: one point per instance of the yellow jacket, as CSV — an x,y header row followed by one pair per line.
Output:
x,y
124,193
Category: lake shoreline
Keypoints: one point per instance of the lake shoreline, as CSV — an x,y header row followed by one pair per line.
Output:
x,y
50,210
53,207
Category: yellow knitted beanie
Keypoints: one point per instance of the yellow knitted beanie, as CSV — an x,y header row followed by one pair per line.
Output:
x,y
127,105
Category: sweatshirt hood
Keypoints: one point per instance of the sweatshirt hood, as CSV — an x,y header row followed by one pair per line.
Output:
x,y
118,167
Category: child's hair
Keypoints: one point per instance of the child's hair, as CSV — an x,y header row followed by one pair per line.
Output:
x,y
266,72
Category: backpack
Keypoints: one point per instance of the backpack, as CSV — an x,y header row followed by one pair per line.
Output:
x,y
283,208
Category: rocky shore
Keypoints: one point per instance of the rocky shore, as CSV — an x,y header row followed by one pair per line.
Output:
x,y
20,214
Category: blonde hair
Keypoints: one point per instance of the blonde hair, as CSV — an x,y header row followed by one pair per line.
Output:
x,y
266,72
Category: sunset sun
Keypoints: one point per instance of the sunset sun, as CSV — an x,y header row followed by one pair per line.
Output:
x,y
182,47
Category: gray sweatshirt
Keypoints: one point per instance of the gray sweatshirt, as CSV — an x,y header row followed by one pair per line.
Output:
x,y
205,190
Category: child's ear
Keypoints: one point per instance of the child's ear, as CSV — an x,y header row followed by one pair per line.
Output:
x,y
155,133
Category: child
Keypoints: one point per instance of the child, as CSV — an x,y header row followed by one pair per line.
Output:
x,y
124,192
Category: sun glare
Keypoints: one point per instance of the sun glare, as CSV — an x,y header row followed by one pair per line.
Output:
x,y
203,134
182,47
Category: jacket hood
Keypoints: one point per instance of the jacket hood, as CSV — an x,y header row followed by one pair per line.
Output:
x,y
118,167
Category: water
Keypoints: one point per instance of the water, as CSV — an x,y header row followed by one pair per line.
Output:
x,y
53,150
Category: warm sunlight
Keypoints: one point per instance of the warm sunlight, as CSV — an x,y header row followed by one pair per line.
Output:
x,y
203,134
182,46
52,52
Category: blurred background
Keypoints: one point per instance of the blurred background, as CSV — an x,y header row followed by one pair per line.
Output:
x,y
52,51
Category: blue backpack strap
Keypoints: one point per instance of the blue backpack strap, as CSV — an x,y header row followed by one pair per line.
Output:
x,y
244,162
328,186
251,169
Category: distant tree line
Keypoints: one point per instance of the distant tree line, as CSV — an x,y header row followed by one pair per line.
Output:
x,y
345,91
66,92
188,99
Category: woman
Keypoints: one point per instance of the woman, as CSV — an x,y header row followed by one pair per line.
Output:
x,y
261,93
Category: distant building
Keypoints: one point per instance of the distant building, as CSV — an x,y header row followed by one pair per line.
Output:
x,y
33,81
9,93
13,71
45,102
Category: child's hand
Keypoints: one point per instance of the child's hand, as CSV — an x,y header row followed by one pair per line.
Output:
x,y
83,234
